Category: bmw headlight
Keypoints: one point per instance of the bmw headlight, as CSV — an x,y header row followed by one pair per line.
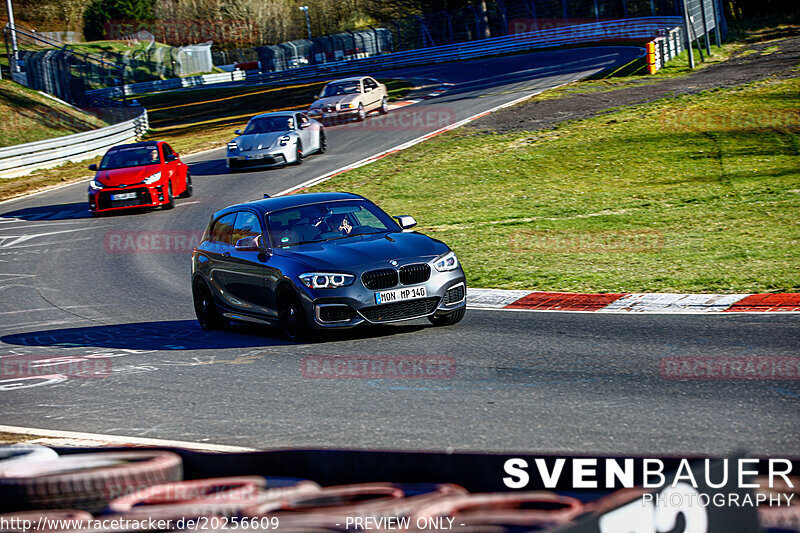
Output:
x,y
283,141
326,280
95,185
232,146
346,106
153,178
446,262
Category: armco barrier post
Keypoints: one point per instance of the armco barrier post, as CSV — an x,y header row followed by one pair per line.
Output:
x,y
652,68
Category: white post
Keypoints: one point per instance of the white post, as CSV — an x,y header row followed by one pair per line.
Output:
x,y
12,64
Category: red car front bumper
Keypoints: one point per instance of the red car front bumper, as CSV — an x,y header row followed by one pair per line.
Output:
x,y
108,199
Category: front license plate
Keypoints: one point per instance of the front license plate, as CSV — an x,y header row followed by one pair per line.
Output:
x,y
398,295
124,196
256,156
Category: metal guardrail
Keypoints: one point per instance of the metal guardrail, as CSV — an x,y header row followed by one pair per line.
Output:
x,y
170,84
644,28
24,158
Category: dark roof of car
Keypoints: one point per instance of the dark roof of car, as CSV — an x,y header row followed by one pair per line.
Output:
x,y
268,205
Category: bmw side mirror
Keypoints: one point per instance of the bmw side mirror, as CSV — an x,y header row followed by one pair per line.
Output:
x,y
406,221
93,167
238,132
249,244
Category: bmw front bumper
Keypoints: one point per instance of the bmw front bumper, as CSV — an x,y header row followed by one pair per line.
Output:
x,y
347,307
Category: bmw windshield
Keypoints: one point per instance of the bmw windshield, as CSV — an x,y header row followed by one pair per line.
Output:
x,y
327,221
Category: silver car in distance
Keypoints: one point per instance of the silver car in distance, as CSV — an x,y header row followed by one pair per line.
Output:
x,y
275,139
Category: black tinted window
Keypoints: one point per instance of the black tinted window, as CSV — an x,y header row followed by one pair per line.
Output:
x,y
130,157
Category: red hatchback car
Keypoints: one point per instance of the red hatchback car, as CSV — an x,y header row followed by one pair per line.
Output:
x,y
146,174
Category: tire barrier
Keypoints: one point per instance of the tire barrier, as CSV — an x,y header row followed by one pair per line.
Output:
x,y
86,481
516,509
125,491
220,497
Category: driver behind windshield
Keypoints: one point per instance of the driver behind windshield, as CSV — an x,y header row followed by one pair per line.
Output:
x,y
269,125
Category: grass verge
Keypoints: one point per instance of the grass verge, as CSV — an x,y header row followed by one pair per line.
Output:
x,y
690,194
28,116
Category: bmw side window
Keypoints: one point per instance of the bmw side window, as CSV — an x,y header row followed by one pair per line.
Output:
x,y
247,225
222,230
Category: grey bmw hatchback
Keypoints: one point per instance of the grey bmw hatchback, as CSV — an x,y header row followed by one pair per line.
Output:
x,y
311,262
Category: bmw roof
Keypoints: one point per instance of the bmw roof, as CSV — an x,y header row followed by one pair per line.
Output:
x,y
268,205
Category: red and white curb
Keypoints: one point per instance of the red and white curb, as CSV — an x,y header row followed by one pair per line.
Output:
x,y
633,302
439,91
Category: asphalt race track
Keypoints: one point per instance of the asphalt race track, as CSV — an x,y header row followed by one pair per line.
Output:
x,y
522,381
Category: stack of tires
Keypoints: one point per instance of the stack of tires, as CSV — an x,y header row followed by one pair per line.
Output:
x,y
144,490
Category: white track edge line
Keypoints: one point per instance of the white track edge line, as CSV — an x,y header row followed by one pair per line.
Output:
x,y
118,439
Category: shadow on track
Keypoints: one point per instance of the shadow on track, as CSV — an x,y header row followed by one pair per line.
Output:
x,y
208,167
72,211
182,335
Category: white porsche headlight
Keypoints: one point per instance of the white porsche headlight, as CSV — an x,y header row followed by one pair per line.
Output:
x,y
446,262
153,178
326,280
